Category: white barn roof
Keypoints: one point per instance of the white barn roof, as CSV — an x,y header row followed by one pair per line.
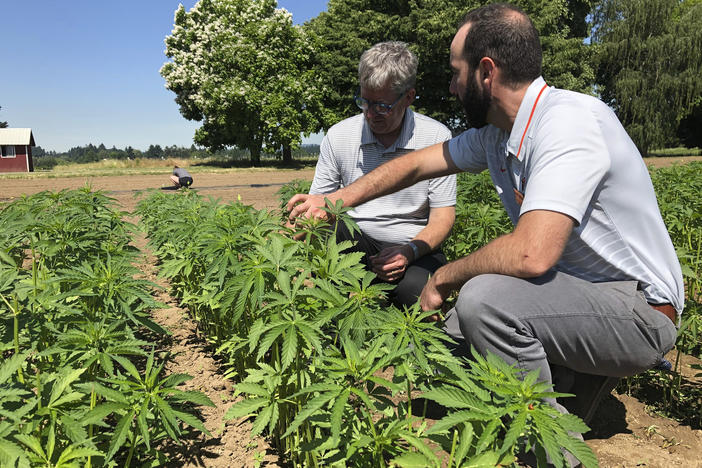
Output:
x,y
16,136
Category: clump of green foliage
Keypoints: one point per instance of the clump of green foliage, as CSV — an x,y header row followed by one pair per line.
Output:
x,y
78,387
328,370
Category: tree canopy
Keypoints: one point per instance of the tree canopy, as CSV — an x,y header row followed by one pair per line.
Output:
x,y
3,124
649,64
244,69
349,27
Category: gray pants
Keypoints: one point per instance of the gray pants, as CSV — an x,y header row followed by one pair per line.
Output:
x,y
593,328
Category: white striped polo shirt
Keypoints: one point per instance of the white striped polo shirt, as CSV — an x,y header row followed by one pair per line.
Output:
x,y
568,152
349,150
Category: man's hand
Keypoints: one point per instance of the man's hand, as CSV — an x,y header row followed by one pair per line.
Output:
x,y
431,298
306,205
391,263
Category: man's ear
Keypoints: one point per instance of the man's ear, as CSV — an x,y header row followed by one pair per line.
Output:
x,y
487,68
411,94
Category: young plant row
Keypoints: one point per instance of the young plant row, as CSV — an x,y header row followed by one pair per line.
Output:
x,y
328,370
678,189
78,387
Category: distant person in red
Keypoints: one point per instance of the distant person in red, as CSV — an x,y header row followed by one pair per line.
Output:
x,y
181,177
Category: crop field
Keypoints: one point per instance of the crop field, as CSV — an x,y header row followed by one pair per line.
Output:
x,y
309,360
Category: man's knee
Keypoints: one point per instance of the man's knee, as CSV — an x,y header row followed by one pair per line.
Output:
x,y
482,301
483,292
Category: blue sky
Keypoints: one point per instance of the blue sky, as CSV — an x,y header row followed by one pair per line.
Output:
x,y
86,71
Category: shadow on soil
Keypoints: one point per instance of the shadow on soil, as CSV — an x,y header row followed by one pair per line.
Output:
x,y
609,420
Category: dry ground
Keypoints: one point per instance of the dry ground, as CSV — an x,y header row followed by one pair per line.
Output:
x,y
625,432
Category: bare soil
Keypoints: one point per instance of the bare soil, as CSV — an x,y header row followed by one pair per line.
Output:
x,y
625,433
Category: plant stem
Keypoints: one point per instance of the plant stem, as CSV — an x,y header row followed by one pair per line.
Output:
x,y
453,448
128,461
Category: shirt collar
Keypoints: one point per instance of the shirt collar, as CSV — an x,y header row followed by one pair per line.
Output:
x,y
523,114
404,141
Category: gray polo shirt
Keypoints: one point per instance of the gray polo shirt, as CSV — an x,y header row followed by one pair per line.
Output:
x,y
350,150
567,152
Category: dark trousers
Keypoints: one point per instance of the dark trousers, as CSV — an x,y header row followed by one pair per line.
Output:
x,y
409,287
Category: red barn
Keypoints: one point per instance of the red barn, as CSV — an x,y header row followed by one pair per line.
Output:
x,y
16,150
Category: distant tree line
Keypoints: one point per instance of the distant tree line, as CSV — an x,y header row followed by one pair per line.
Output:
x,y
90,153
257,81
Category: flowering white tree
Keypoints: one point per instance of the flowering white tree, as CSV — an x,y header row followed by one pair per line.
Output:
x,y
245,70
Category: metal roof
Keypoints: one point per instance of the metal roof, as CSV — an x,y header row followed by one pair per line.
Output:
x,y
16,136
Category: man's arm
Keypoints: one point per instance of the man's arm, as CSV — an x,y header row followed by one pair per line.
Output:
x,y
529,251
392,262
399,173
437,229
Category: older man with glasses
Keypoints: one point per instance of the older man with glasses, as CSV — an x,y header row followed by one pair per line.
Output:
x,y
401,233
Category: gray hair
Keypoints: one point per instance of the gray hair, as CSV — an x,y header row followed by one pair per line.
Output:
x,y
388,63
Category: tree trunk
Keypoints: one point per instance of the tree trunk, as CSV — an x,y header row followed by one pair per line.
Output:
x,y
255,151
287,154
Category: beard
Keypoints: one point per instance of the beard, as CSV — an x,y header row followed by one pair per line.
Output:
x,y
476,103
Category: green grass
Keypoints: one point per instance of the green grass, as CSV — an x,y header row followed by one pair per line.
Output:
x,y
679,151
142,166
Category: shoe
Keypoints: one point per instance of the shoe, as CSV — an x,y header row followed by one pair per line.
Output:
x,y
589,391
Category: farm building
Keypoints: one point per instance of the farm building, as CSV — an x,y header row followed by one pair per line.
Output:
x,y
16,150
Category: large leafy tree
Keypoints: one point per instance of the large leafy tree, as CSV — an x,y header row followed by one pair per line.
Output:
x,y
244,70
3,124
350,26
648,55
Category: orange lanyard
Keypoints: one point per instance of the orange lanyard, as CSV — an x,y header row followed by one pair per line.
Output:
x,y
529,121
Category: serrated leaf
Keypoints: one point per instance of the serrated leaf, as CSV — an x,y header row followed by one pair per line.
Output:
x,y
573,423
107,393
488,436
10,366
456,418
581,451
143,425
245,407
411,460
71,397
73,451
452,397
62,383
10,452
516,427
544,427
289,348
129,367
483,460
192,421
418,444
73,429
337,412
168,419
32,442
195,397
262,420
101,411
120,434
312,406
249,388
465,439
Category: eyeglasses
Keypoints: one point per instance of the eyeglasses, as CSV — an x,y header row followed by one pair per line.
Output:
x,y
379,108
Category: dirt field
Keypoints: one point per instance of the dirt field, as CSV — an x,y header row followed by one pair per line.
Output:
x,y
624,433
256,187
